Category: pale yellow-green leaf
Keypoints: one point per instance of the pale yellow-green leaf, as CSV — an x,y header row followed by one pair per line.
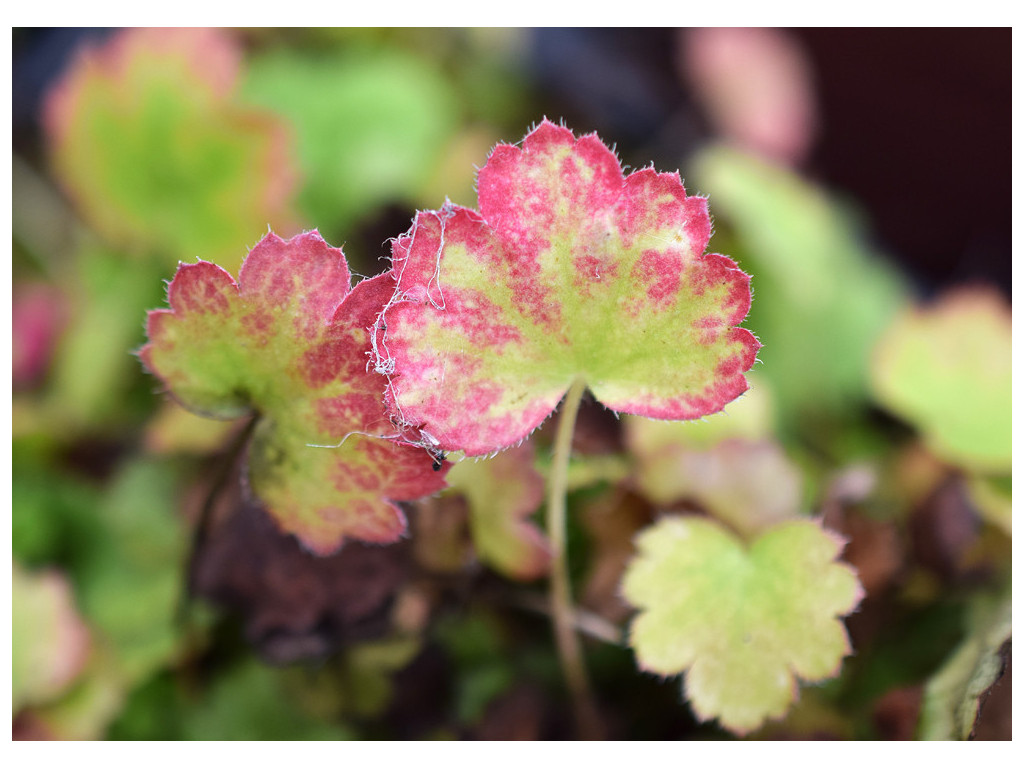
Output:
x,y
743,622
946,369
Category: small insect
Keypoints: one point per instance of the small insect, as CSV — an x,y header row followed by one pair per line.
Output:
x,y
438,458
432,450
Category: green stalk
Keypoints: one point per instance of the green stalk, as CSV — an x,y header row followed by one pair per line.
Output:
x,y
570,654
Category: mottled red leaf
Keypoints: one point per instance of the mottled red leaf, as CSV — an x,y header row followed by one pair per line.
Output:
x,y
289,342
569,270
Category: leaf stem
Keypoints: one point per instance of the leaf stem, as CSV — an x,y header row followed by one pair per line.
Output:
x,y
201,530
569,650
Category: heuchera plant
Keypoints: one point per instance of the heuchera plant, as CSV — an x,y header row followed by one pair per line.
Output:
x,y
288,344
150,140
571,276
570,273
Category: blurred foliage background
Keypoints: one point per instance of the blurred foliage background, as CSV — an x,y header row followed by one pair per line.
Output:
x,y
861,176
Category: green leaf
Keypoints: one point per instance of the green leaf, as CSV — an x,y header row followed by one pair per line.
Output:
x,y
502,492
250,702
954,695
570,271
484,663
946,368
146,138
370,667
51,508
94,371
742,622
369,125
823,296
130,577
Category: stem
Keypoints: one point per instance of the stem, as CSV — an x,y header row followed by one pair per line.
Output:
x,y
569,651
201,531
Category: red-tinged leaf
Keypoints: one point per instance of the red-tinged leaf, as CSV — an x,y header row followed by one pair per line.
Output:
x,y
569,270
145,135
38,313
49,641
289,342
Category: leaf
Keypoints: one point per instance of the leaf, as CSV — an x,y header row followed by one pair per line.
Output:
x,y
129,577
250,702
749,417
823,296
755,87
289,342
369,125
92,377
294,606
953,697
502,493
570,270
611,522
370,667
38,315
51,508
85,712
749,485
483,661
49,641
946,368
145,136
743,622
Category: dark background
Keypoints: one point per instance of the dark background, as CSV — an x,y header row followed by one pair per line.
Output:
x,y
915,126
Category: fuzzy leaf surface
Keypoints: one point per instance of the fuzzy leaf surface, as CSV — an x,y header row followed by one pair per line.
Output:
x,y
743,622
947,369
288,341
750,417
569,270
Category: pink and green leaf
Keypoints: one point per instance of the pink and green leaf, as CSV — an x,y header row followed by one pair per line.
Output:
x,y
570,269
824,295
146,137
750,417
289,342
50,642
743,621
